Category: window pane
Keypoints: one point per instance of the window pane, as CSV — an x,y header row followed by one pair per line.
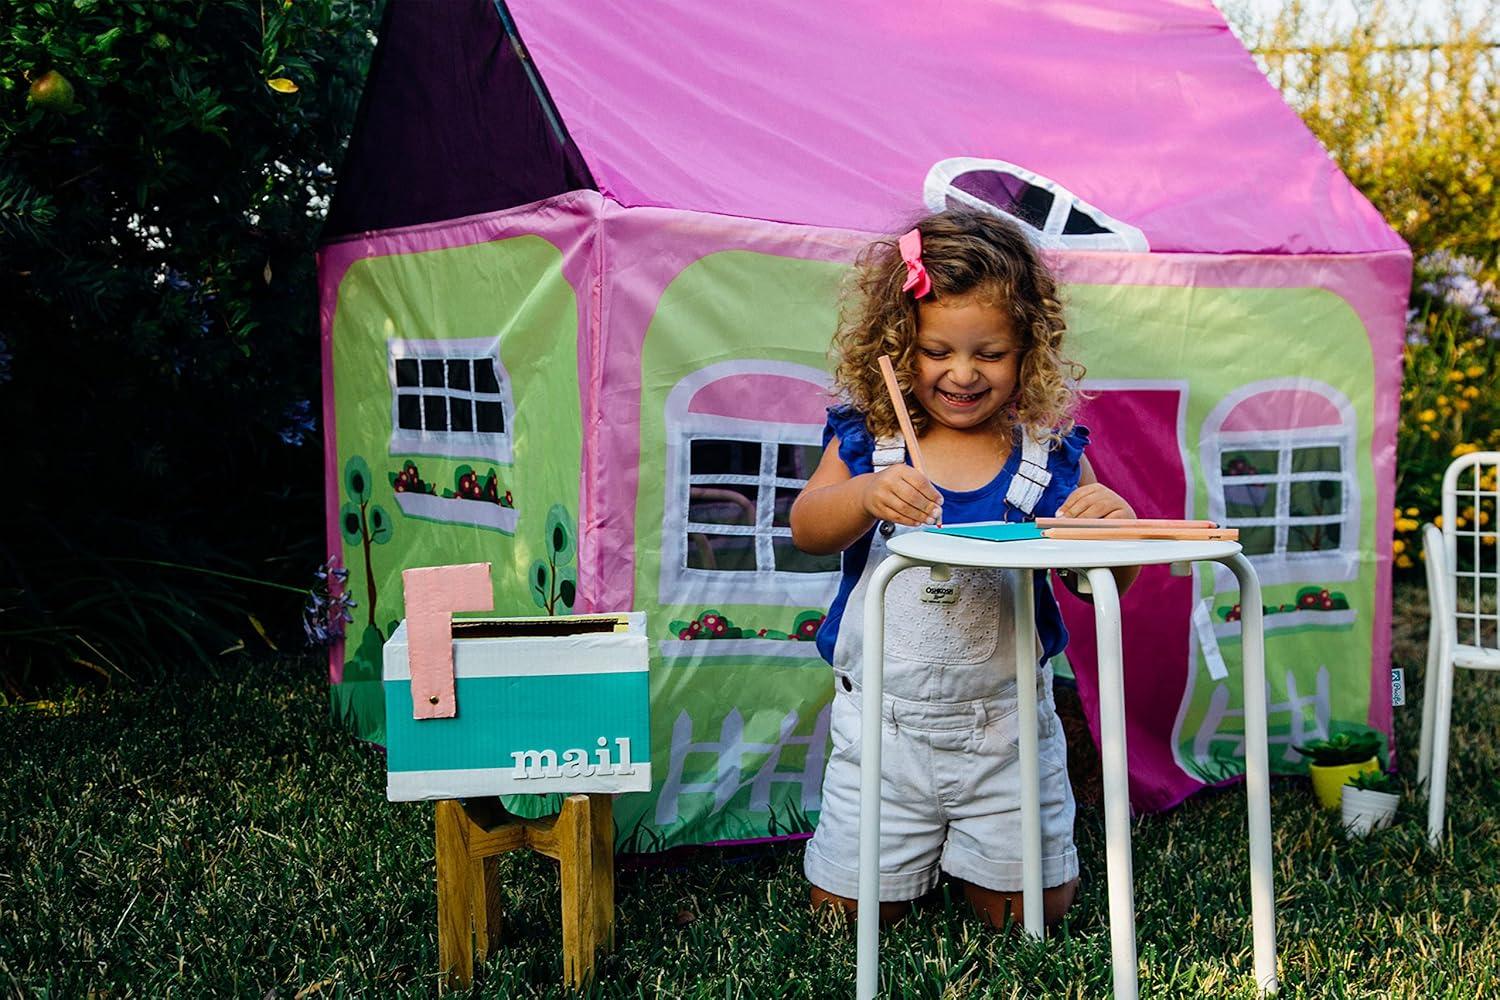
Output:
x,y
790,559
782,515
1249,500
1248,463
1318,496
1008,192
728,553
1322,459
489,418
435,410
1079,224
461,414
797,461
484,376
722,504
406,371
409,412
458,373
1258,541
432,372
713,456
1310,537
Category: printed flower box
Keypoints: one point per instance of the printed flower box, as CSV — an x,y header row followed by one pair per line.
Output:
x,y
454,510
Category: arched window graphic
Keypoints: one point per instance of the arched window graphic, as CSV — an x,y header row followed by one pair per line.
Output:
x,y
450,398
742,439
1055,217
1278,458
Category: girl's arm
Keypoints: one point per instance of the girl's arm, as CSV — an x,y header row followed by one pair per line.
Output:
x,y
835,508
1093,499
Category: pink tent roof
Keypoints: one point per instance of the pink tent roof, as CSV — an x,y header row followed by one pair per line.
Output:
x,y
1150,111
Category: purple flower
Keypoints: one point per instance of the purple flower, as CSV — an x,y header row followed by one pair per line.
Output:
x,y
299,423
329,606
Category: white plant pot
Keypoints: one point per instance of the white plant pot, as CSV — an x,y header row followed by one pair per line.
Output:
x,y
1364,811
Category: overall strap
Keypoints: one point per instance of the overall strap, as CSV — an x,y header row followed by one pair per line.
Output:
x,y
1032,476
890,450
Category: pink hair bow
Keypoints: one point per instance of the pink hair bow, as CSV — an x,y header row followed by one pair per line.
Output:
x,y
918,282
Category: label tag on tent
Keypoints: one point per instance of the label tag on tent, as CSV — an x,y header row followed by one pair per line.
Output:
x,y
1398,687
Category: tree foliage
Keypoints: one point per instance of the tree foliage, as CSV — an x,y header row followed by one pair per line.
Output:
x,y
164,169
1406,101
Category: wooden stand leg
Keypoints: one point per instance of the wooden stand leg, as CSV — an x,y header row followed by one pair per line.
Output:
x,y
469,838
602,839
575,854
455,895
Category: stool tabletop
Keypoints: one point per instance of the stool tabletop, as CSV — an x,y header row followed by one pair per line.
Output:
x,y
1054,553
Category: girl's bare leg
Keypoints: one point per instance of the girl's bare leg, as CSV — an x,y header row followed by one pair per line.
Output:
x,y
889,912
993,906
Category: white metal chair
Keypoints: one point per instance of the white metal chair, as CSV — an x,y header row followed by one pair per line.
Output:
x,y
1464,599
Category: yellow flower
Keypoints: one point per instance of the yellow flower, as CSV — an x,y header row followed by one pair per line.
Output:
x,y
1398,546
1462,405
1464,449
1487,539
1404,562
1405,524
1474,371
1438,520
1455,376
1471,392
1412,512
1442,401
1434,435
1427,416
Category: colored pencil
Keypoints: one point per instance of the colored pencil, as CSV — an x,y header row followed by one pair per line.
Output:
x,y
902,417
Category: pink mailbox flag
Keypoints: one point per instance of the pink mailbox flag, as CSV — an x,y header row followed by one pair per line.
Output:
x,y
433,593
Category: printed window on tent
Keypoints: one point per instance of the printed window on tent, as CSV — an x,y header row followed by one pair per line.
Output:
x,y
1282,473
731,479
1054,216
450,398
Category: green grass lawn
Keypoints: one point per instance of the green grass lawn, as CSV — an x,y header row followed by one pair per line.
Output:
x,y
221,838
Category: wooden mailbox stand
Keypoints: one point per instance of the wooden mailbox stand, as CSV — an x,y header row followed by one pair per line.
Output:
x,y
471,836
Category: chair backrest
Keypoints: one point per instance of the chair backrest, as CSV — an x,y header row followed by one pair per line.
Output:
x,y
1471,548
1439,582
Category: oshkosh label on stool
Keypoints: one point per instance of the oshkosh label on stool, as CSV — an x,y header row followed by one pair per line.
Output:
x,y
940,592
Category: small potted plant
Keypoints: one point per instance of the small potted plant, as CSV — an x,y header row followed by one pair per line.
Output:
x,y
1369,802
1335,760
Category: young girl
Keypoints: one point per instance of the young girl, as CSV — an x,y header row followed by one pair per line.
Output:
x,y
970,316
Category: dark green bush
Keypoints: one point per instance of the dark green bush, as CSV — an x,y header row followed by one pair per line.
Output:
x,y
164,170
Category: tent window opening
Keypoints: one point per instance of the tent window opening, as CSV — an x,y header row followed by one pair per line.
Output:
x,y
1285,500
740,494
450,398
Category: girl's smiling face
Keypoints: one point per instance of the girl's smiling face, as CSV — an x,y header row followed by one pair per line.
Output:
x,y
968,361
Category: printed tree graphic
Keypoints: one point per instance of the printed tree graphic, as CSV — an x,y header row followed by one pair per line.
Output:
x,y
363,522
553,581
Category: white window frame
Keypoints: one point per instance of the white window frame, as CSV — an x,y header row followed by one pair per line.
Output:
x,y
938,189
493,446
1279,565
681,584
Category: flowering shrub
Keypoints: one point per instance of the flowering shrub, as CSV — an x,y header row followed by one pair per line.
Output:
x,y
329,604
1449,402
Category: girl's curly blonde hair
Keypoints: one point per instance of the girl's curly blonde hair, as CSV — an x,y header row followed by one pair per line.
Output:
x,y
965,254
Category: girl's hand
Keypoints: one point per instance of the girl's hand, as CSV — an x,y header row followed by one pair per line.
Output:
x,y
903,495
1095,500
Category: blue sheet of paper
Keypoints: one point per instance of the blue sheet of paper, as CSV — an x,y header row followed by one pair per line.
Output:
x,y
991,532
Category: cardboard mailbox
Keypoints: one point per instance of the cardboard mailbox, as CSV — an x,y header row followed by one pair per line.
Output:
x,y
557,704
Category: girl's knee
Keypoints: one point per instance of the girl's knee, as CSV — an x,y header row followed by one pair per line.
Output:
x,y
889,911
995,907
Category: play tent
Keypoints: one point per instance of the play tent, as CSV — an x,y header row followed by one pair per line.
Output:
x,y
578,286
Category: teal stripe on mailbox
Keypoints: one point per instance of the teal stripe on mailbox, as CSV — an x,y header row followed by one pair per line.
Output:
x,y
501,715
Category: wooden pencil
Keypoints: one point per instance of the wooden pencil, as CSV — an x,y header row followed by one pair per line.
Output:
x,y
902,417
1120,522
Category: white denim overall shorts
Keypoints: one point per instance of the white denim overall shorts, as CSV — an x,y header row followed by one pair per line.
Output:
x,y
950,783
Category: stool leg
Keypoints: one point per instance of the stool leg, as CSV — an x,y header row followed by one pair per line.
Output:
x,y
575,855
602,839
455,898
